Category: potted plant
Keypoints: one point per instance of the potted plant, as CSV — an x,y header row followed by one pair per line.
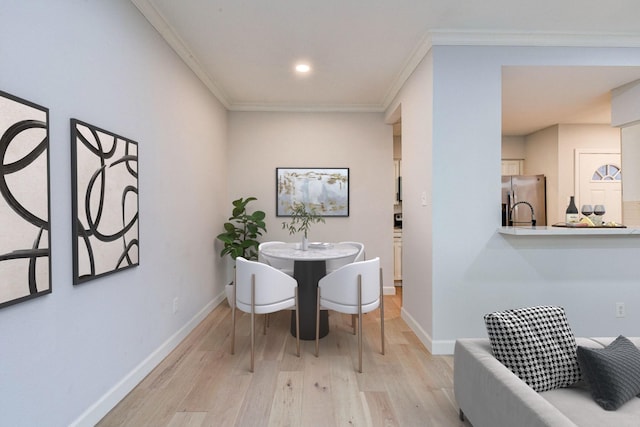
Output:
x,y
240,236
242,231
301,220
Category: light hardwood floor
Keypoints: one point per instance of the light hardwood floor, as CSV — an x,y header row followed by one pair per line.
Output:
x,y
201,384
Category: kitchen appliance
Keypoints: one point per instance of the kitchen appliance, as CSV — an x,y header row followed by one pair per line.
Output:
x,y
397,220
524,199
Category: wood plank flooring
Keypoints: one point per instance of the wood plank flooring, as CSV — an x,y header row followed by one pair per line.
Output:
x,y
201,384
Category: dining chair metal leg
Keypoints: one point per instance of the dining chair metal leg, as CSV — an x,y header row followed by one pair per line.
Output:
x,y
253,318
318,321
233,319
360,323
381,312
297,324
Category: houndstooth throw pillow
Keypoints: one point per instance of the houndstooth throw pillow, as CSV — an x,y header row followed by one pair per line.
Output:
x,y
536,344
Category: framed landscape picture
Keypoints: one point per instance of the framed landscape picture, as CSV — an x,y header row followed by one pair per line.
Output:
x,y
104,202
324,189
25,241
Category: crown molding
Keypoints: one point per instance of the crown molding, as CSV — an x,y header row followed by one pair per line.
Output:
x,y
157,20
293,108
532,38
416,57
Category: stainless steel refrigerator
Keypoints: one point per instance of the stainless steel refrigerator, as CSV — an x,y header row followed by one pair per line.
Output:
x,y
523,195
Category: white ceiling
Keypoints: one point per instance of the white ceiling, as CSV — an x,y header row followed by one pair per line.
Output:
x,y
362,51
534,98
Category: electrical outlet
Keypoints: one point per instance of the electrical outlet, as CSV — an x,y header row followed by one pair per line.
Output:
x,y
175,305
620,310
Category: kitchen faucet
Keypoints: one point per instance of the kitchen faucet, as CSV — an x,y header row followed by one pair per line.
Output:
x,y
533,217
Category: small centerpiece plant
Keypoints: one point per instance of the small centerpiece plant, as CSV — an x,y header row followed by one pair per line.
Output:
x,y
301,220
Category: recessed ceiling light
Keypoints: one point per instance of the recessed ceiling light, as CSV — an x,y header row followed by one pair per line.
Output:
x,y
303,68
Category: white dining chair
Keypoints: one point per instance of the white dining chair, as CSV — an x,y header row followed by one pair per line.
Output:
x,y
262,289
284,265
355,288
334,264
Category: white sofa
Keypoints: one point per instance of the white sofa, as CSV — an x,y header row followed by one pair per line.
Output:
x,y
490,395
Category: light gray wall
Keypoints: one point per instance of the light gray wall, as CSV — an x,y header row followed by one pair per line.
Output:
x,y
415,100
474,269
80,348
630,137
362,142
513,147
625,104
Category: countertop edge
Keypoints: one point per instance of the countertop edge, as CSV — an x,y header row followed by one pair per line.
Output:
x,y
561,231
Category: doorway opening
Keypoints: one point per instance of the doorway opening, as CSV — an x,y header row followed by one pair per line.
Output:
x,y
397,205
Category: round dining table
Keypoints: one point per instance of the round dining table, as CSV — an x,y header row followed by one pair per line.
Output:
x,y
309,266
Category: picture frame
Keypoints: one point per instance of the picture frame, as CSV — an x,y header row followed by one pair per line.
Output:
x,y
105,205
324,189
25,208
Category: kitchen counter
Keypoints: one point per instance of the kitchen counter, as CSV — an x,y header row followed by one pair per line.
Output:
x,y
568,231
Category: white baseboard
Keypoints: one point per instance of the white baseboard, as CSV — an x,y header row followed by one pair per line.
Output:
x,y
441,347
102,406
388,290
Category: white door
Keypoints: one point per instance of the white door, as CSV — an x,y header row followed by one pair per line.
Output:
x,y
599,181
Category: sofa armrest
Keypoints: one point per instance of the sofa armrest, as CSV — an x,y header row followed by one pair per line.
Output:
x,y
489,394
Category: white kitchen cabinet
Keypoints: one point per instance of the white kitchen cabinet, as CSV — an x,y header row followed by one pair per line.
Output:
x,y
397,255
512,167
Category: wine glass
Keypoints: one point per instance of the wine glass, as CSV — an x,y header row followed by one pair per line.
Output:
x,y
586,210
598,210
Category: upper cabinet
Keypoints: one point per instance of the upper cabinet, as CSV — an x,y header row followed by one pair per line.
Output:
x,y
512,167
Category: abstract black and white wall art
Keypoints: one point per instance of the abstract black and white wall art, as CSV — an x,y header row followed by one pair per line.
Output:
x,y
25,262
105,202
